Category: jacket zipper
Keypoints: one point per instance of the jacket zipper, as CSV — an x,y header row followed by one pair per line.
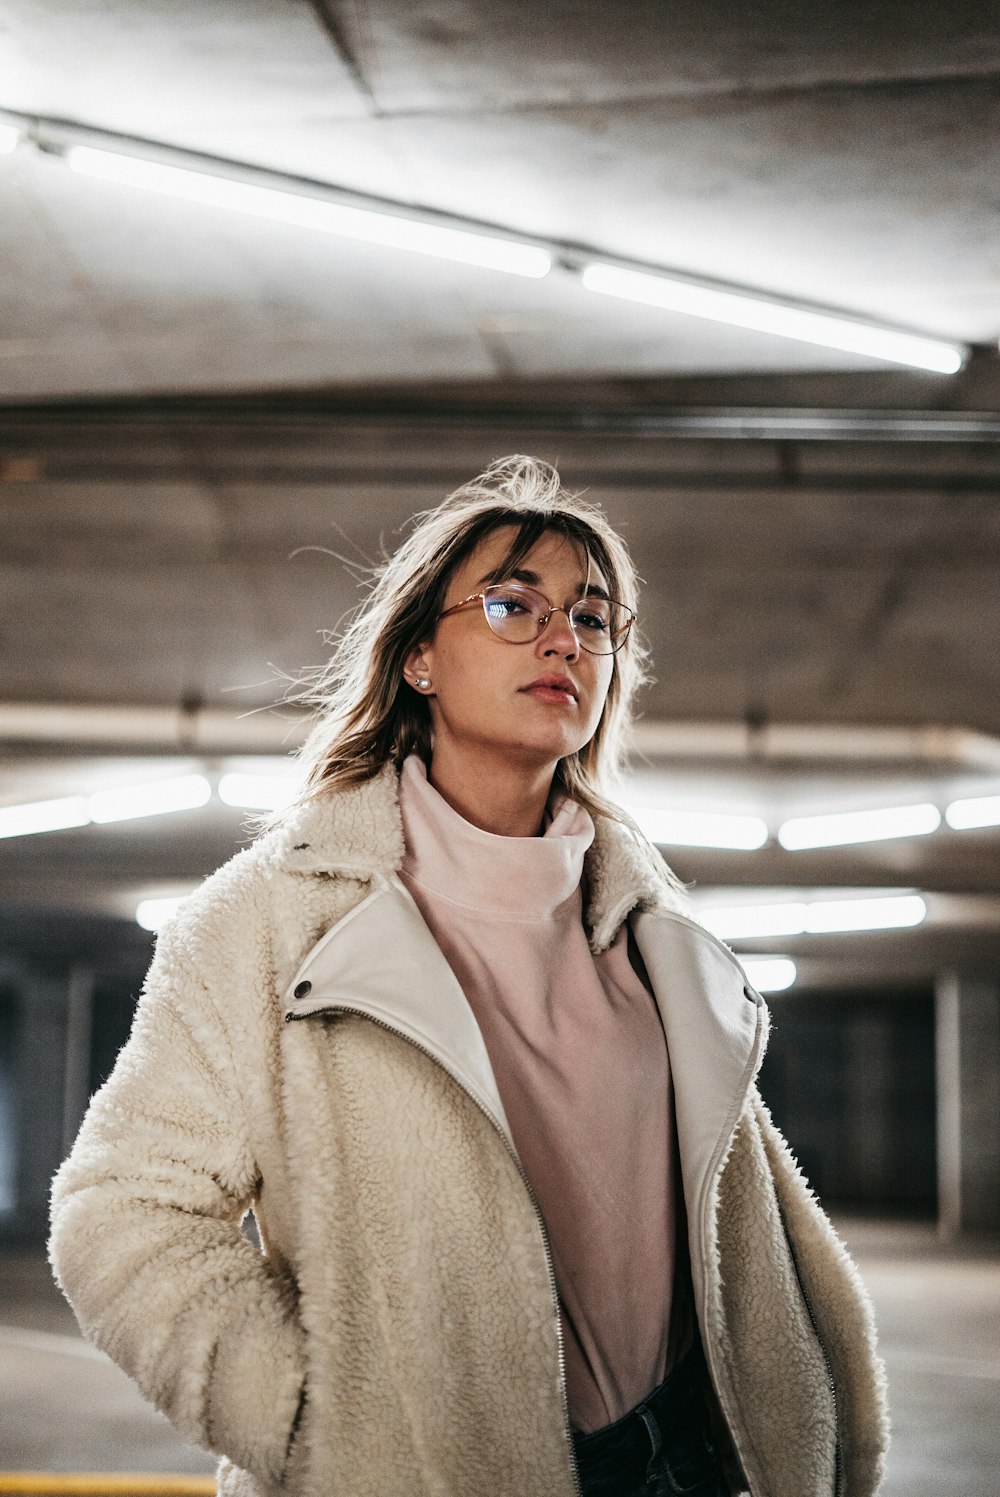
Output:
x,y
361,1013
721,1153
831,1384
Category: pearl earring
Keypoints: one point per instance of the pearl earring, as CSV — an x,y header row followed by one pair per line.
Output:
x,y
422,681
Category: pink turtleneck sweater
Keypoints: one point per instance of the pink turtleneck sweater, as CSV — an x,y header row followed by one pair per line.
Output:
x,y
580,1060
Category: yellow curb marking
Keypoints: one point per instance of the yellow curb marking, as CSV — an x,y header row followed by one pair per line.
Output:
x,y
106,1484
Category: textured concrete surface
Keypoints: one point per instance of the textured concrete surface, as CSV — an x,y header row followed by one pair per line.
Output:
x,y
64,1407
194,552
844,154
938,1311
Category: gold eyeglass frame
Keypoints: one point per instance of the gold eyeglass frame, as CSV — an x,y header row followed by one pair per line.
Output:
x,y
623,633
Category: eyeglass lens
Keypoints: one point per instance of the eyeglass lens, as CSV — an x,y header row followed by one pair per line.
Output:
x,y
515,613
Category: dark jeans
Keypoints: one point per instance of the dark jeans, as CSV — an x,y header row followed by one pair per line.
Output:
x,y
661,1448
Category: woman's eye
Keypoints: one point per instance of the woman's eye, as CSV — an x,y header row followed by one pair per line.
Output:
x,y
592,621
505,608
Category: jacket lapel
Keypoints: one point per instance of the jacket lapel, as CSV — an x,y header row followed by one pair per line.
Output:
x,y
716,1028
381,961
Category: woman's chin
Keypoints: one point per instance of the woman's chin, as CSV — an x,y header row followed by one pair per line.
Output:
x,y
539,749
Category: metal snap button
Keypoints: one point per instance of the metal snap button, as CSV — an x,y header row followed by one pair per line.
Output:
x,y
302,989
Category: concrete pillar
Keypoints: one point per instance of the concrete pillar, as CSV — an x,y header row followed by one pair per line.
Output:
x,y
968,1103
79,1024
41,1066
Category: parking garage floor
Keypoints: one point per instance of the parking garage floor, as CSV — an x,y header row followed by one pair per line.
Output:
x,y
65,1407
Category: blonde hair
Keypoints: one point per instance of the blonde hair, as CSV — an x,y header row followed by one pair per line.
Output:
x,y
368,715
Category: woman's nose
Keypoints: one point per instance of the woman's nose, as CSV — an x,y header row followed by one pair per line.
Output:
x,y
557,638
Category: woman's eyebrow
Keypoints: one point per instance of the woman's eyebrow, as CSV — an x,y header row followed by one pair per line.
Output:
x,y
532,579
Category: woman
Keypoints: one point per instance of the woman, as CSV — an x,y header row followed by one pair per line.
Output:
x,y
446,1030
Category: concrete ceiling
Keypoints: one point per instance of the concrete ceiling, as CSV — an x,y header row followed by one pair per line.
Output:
x,y
188,398
821,581
845,155
192,552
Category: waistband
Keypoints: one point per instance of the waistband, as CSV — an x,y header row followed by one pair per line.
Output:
x,y
668,1408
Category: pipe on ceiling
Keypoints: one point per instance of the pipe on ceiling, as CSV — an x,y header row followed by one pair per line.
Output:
x,y
185,728
193,728
851,743
130,417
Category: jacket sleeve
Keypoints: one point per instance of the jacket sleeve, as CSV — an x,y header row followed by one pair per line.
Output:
x,y
146,1242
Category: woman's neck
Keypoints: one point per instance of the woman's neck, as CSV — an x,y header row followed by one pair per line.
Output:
x,y
493,794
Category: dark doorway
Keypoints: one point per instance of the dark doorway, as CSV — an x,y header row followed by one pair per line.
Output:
x,y
849,1078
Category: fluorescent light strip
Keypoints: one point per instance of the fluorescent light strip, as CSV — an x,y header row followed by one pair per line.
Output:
x,y
155,798
395,231
44,816
897,912
699,829
257,792
979,810
814,917
152,913
128,803
740,309
9,137
733,923
770,974
842,828
423,236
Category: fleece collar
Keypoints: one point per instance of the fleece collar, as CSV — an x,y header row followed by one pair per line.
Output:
x,y
358,833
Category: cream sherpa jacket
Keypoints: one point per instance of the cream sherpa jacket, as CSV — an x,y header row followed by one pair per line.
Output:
x,y
303,1050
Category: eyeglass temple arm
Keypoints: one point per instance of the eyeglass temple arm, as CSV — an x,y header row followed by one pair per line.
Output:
x,y
474,598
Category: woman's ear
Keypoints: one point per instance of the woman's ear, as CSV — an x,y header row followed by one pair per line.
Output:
x,y
417,671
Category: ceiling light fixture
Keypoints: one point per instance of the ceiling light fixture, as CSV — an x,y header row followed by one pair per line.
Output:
x,y
699,828
419,235
760,313
9,137
155,798
979,810
257,792
44,816
814,917
892,912
259,191
848,827
769,974
152,913
184,793
738,922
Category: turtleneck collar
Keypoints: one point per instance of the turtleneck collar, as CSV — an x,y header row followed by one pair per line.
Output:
x,y
523,877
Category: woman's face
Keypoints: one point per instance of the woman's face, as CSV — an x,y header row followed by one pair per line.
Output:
x,y
485,693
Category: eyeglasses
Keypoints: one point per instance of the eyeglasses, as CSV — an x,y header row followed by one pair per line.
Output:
x,y
519,614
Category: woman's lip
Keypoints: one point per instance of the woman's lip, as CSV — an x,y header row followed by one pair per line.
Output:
x,y
558,694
